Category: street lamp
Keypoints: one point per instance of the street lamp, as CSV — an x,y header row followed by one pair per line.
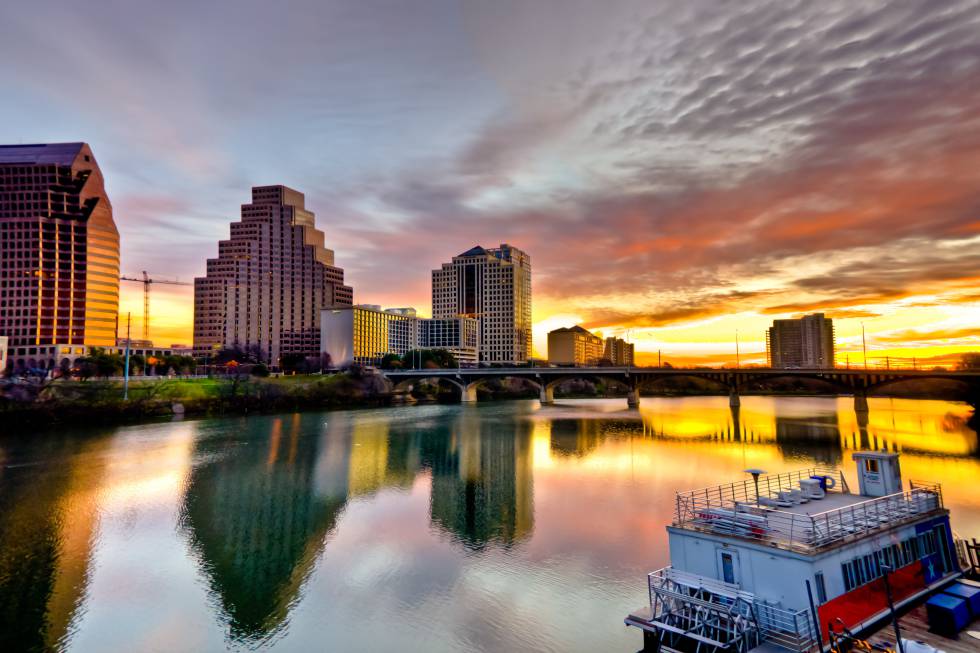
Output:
x,y
756,473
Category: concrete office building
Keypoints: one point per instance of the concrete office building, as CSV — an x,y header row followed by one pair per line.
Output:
x,y
804,343
366,334
574,346
493,285
59,255
618,352
272,278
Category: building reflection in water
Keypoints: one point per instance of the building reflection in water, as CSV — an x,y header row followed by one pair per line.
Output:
x,y
482,486
819,429
260,503
47,530
257,511
575,437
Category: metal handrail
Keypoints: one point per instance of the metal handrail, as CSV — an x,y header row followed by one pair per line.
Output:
x,y
791,629
732,513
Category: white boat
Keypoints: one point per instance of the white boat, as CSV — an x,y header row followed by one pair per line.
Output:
x,y
764,563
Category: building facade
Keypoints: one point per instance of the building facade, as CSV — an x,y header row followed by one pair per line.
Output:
x,y
264,292
59,255
618,352
366,334
804,343
574,346
494,286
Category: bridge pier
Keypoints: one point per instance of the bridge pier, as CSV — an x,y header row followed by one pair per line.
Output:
x,y
633,398
547,395
468,395
860,402
734,400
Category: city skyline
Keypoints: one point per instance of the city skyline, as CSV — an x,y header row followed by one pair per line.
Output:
x,y
666,164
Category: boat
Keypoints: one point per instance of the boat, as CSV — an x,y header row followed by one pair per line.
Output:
x,y
774,562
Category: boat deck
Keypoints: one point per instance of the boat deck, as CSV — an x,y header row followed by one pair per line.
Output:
x,y
832,501
915,627
777,515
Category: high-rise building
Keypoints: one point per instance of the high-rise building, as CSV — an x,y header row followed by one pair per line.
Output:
x,y
494,286
618,352
807,342
366,334
574,346
264,292
59,254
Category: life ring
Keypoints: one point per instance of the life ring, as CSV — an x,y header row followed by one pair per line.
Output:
x,y
830,482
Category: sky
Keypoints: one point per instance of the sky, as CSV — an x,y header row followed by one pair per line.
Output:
x,y
678,171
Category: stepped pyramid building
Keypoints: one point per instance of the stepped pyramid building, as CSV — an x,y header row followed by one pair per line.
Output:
x,y
264,292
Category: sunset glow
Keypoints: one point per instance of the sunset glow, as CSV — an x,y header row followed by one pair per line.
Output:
x,y
684,171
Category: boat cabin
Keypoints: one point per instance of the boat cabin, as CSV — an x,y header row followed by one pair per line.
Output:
x,y
767,560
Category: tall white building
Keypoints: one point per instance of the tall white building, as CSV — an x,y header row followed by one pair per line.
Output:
x,y
494,286
807,342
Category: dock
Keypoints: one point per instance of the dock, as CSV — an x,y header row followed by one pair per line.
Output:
x,y
914,626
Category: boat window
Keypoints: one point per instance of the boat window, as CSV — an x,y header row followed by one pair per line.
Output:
x,y
871,465
727,568
821,588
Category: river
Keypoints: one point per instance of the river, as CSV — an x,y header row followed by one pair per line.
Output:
x,y
496,527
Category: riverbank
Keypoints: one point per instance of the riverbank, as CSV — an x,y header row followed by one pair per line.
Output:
x,y
100,402
24,406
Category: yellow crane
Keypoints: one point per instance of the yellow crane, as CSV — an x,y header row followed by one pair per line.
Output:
x,y
146,281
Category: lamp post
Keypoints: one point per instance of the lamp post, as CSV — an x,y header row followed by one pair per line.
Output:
x,y
756,473
864,346
126,373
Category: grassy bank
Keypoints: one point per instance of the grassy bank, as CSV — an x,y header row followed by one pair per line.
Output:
x,y
101,402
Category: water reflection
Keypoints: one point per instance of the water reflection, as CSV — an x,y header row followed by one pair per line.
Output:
x,y
47,528
482,480
257,509
492,527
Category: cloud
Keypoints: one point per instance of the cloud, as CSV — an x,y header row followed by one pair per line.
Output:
x,y
686,160
932,335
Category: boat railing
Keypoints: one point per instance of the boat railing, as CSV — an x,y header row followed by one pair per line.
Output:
x,y
735,512
723,615
770,485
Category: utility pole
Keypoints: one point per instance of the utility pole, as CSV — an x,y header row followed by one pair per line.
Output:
x,y
126,371
864,346
658,358
738,362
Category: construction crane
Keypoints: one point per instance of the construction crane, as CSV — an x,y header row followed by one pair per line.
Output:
x,y
146,281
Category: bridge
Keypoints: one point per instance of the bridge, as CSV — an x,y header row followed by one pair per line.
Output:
x,y
733,382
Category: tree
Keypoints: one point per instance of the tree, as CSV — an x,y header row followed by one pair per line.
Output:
x,y
292,363
136,362
429,359
391,362
969,361
250,354
260,370
99,363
